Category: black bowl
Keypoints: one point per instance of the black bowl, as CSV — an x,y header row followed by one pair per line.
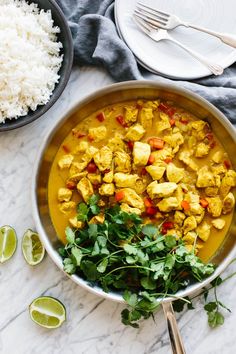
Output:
x,y
65,38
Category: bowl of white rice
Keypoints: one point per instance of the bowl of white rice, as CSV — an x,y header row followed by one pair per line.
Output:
x,y
36,55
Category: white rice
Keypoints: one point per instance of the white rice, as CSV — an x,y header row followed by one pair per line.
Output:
x,y
29,58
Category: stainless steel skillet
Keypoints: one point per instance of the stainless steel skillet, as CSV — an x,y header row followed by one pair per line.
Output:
x,y
113,94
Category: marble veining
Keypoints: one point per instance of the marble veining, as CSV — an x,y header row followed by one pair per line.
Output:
x,y
93,324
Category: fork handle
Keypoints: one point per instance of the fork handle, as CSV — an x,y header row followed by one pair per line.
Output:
x,y
224,37
214,68
174,333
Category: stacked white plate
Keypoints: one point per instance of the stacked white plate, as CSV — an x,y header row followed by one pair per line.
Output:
x,y
168,59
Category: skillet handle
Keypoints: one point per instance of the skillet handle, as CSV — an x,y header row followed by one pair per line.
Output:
x,y
175,336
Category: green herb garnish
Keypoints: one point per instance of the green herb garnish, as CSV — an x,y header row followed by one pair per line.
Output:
x,y
125,255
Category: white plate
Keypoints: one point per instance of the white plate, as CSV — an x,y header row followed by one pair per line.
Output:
x,y
167,58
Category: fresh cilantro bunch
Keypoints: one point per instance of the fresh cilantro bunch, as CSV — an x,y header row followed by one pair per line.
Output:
x,y
124,255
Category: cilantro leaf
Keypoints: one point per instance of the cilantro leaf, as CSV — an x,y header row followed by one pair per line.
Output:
x,y
70,235
101,268
76,252
215,319
130,249
150,230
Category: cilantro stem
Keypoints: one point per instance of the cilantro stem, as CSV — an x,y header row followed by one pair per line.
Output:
x,y
109,256
128,267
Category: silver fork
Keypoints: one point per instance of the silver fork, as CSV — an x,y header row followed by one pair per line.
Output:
x,y
161,34
167,21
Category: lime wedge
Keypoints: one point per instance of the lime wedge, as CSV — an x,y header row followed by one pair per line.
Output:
x,y
8,243
32,248
47,312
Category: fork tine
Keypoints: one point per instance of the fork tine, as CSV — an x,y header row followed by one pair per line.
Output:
x,y
141,25
152,13
154,23
151,16
146,24
166,14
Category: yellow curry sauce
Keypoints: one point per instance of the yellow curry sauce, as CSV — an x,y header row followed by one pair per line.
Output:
x,y
154,159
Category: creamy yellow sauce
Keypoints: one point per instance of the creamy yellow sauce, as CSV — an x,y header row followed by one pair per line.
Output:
x,y
57,178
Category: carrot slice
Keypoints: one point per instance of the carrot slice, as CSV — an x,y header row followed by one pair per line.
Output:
x,y
156,143
185,205
151,159
120,119
119,196
204,203
148,202
227,164
168,160
100,116
151,210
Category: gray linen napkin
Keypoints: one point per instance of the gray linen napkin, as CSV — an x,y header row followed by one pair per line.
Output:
x,y
96,42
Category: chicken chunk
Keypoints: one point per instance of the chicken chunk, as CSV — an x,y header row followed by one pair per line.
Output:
x,y
203,231
107,189
189,224
163,123
168,204
124,179
141,185
94,178
76,223
179,194
190,238
228,181
108,177
103,158
81,147
122,162
126,208
89,154
173,173
135,133
218,223
215,206
228,203
97,219
218,156
132,199
146,117
161,190
65,161
199,129
77,167
64,195
175,140
211,191
184,156
179,218
218,169
161,155
156,172
77,176
202,150
97,134
130,114
200,217
205,178
141,153
67,207
117,143
85,188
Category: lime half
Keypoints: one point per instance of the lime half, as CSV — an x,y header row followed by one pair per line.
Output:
x,y
47,312
8,243
32,248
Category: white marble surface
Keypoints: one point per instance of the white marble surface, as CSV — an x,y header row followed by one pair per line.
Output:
x,y
93,324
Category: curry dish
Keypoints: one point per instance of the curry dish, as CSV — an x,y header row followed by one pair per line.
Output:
x,y
155,160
